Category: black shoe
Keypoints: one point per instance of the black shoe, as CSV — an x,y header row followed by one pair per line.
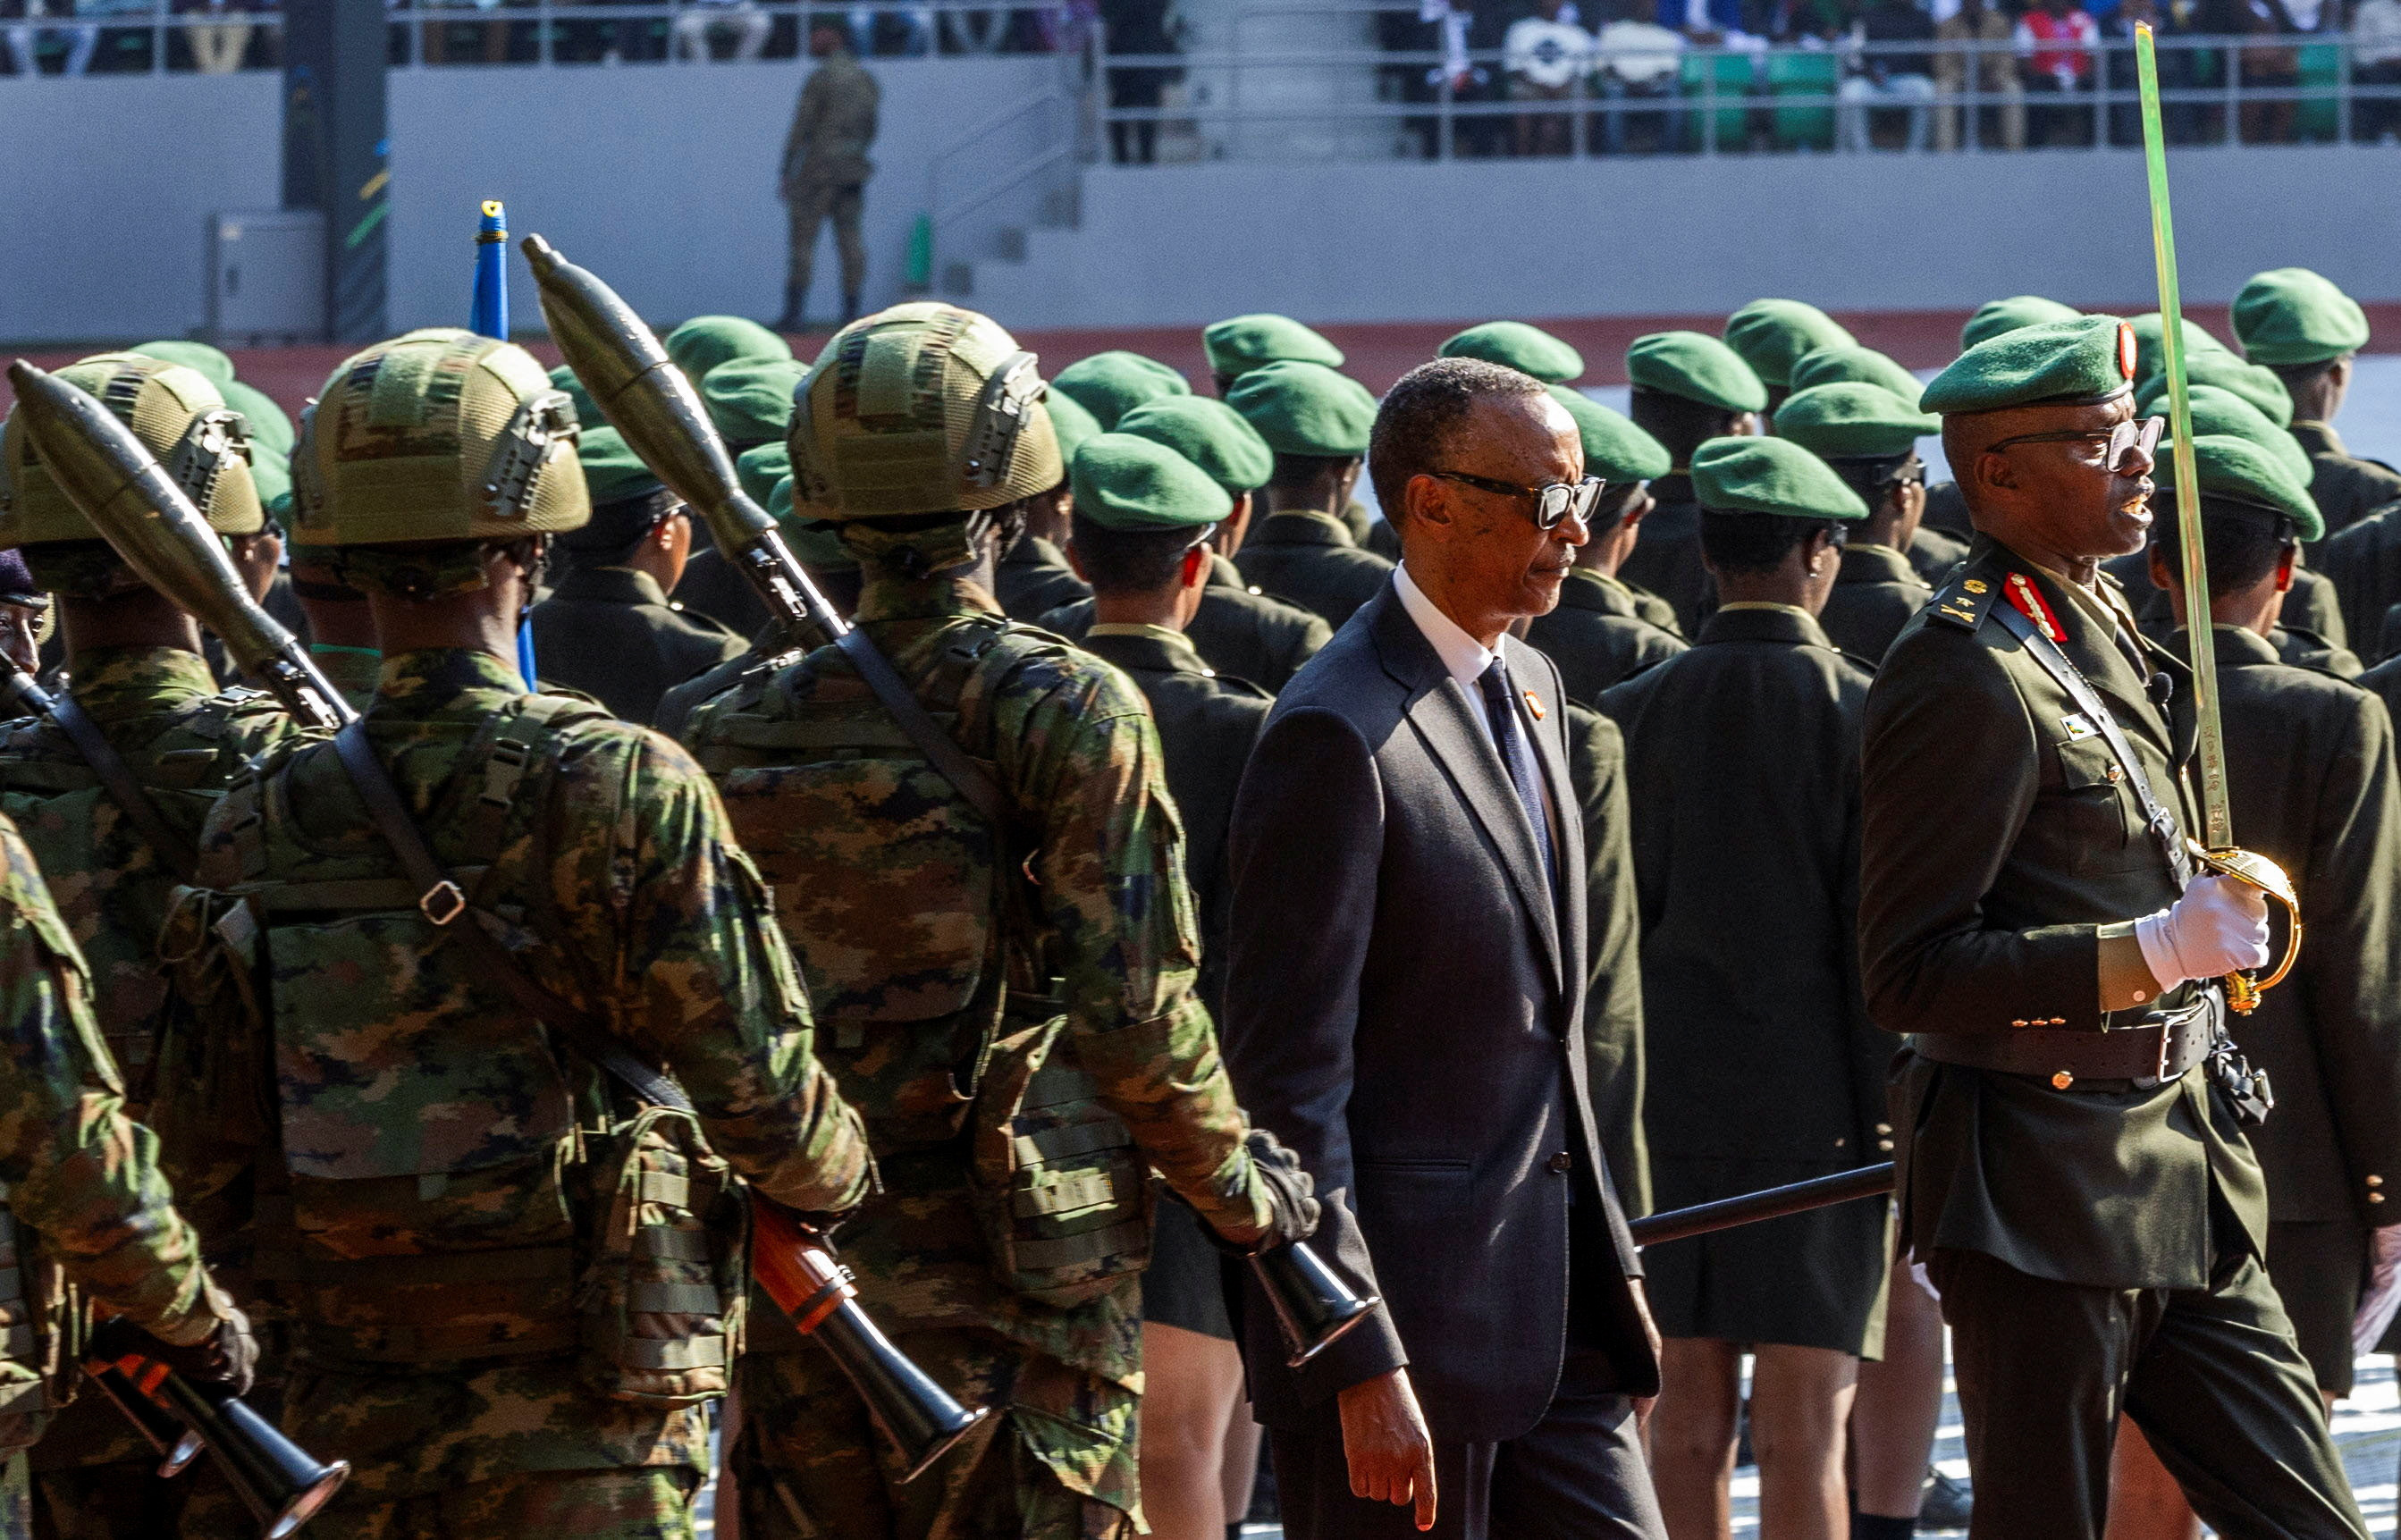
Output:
x,y
1946,1504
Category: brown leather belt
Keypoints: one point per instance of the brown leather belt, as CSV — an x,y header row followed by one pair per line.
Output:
x,y
2160,1050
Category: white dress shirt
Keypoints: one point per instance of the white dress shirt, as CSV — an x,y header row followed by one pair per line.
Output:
x,y
1465,659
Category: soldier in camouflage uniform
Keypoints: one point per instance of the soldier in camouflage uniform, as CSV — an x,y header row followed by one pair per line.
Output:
x,y
945,981
511,1284
112,855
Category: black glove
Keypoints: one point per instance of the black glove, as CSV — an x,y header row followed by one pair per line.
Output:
x,y
1291,1194
227,1357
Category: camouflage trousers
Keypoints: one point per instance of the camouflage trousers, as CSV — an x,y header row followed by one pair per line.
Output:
x,y
810,1466
126,1501
653,1504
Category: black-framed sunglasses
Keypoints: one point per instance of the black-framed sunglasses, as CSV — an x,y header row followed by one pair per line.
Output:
x,y
2141,432
1553,501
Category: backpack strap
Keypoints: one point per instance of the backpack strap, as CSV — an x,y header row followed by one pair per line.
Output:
x,y
116,776
940,750
442,902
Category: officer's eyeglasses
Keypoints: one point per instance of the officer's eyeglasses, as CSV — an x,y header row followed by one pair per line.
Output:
x,y
1553,501
2141,432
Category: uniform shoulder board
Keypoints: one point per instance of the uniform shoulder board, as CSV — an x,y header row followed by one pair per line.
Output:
x,y
1964,600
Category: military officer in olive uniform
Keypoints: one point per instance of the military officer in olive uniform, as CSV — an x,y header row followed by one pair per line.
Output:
x,y
1110,384
2311,779
1316,422
1774,336
1033,577
1688,389
2308,331
1870,436
1514,345
1238,631
1599,634
2074,1170
1242,343
1932,552
1757,859
1947,511
608,627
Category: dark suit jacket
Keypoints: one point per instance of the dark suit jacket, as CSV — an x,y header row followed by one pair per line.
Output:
x,y
1403,1006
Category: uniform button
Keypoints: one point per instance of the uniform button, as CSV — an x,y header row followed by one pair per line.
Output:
x,y
2376,1181
1883,1147
2140,997
2062,1081
1562,1162
2020,1022
2059,1020
1884,1128
1842,1143
2376,1197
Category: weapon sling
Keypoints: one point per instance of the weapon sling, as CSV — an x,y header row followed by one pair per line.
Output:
x,y
116,776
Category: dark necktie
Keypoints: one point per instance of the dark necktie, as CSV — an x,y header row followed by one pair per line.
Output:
x,y
1500,705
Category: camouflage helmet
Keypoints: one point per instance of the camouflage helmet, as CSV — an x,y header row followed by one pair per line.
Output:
x,y
438,435
176,413
923,408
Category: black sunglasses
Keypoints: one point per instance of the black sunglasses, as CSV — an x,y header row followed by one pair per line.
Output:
x,y
1553,501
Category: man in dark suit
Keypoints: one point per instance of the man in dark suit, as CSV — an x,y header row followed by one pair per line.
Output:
x,y
1404,1003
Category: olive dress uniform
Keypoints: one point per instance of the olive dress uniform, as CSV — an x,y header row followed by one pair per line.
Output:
x,y
1666,560
710,587
1875,592
2363,564
1613,996
1946,511
1768,1072
2310,634
2097,1241
610,633
2383,681
1034,579
2346,488
1932,553
1597,635
2311,779
1238,631
1310,559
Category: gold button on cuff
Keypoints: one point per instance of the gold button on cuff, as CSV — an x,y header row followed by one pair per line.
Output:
x,y
2376,1197
2020,1022
1883,1147
2059,1020
2140,997
2062,1081
1887,1128
2376,1181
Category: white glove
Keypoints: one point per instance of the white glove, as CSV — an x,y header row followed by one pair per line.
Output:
x,y
2219,927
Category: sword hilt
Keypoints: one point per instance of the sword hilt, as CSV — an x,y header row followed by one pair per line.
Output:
x,y
2244,989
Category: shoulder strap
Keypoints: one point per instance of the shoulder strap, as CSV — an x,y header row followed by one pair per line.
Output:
x,y
2064,673
982,792
123,790
442,902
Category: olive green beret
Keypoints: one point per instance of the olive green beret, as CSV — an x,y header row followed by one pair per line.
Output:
x,y
760,467
1306,410
1773,334
587,411
1849,420
2237,471
1995,316
2291,315
211,363
1111,384
1124,482
2081,361
1860,366
1209,434
1071,422
817,549
1614,449
705,341
1514,345
611,470
2151,360
1698,367
2254,382
750,399
1239,344
270,427
2218,410
1770,475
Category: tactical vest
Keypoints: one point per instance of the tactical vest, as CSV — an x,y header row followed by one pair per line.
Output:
x,y
454,1186
922,946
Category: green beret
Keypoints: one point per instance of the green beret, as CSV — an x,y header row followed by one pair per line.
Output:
x,y
269,428
2291,315
1514,345
820,550
1123,482
2150,359
1698,367
760,467
1241,344
1773,334
1111,384
705,341
2254,382
1209,434
2218,410
750,399
1995,316
587,411
1071,422
2237,471
1855,364
2076,363
210,362
1770,475
1614,449
1849,420
611,470
1306,410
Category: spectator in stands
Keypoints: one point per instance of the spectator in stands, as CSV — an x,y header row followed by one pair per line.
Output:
x,y
1546,56
2055,56
1643,59
1979,34
2269,67
2375,57
826,167
1138,26
1878,75
702,23
2176,69
216,44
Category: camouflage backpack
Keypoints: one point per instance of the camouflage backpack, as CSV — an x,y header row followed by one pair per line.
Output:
x,y
450,1184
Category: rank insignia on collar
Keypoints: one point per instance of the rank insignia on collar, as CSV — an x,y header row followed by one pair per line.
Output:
x,y
1534,704
1974,585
